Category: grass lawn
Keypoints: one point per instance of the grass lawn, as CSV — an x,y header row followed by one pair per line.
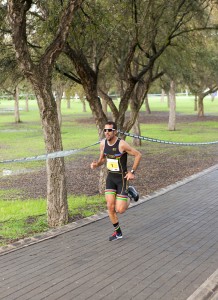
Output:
x,y
19,219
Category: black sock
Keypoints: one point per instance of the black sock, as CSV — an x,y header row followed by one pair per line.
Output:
x,y
117,228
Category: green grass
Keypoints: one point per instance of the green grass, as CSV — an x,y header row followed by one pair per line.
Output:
x,y
22,218
26,139
29,131
184,105
185,132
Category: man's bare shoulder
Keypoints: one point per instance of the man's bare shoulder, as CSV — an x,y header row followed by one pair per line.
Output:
x,y
124,145
102,143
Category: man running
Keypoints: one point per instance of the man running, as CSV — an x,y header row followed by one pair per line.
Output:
x,y
114,151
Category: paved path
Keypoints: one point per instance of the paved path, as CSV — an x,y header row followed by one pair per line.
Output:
x,y
169,251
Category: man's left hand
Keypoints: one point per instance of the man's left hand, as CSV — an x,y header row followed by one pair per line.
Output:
x,y
129,176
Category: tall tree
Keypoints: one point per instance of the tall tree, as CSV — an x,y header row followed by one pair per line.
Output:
x,y
203,78
11,76
39,72
127,33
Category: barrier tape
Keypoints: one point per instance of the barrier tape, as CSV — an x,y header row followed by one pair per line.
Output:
x,y
49,155
70,152
165,142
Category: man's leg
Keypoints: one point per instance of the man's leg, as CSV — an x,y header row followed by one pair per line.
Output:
x,y
111,194
122,200
122,203
111,204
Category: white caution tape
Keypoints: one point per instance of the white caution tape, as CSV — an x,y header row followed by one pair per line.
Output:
x,y
165,142
47,156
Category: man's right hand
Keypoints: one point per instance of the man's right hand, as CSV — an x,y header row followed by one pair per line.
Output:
x,y
94,164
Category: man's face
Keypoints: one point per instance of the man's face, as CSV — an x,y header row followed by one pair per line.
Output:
x,y
109,132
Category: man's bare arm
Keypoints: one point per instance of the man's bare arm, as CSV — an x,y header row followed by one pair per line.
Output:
x,y
125,147
101,159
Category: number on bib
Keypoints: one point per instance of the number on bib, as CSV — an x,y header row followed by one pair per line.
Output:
x,y
112,164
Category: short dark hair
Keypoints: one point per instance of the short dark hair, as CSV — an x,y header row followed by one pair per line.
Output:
x,y
112,123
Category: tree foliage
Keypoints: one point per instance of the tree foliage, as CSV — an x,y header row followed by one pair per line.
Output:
x,y
131,37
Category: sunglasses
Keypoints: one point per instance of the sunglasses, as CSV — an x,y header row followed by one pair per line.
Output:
x,y
109,129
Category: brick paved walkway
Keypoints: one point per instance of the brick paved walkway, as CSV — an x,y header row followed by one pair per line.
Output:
x,y
169,250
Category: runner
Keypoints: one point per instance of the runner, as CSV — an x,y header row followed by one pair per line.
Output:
x,y
113,151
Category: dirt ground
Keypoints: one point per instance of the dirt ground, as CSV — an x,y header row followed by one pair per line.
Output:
x,y
161,165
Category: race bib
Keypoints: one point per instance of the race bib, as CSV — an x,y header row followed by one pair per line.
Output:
x,y
112,164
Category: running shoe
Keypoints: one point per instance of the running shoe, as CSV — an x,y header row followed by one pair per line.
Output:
x,y
115,236
132,193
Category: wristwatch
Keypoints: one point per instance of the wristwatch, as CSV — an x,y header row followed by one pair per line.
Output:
x,y
132,171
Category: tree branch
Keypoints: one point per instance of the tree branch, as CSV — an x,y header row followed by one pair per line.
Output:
x,y
17,10
71,76
55,48
110,102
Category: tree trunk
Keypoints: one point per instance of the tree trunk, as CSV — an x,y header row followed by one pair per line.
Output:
x,y
213,95
162,95
200,105
102,179
57,206
196,103
147,106
109,102
104,96
68,95
168,99
68,103
16,105
58,101
84,106
104,105
137,131
59,95
172,103
27,102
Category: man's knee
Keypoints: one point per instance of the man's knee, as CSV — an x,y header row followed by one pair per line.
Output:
x,y
121,206
120,210
110,206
